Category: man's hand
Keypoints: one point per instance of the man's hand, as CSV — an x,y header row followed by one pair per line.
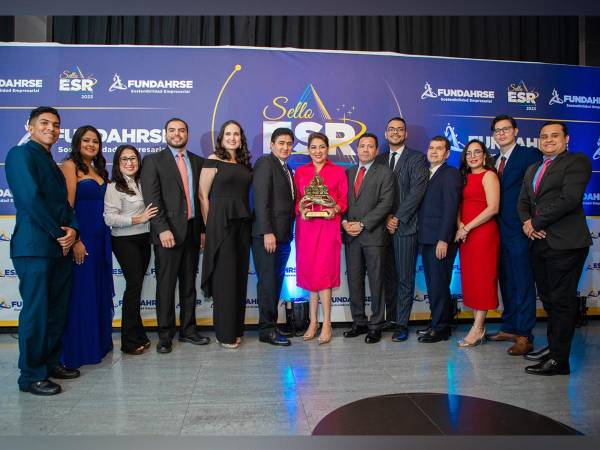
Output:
x,y
352,228
391,223
441,249
167,240
67,241
270,242
531,233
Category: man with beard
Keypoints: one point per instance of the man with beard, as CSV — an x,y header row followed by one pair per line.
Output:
x,y
170,181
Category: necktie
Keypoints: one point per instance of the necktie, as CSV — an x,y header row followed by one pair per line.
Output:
x,y
289,177
184,179
541,175
359,180
501,166
393,160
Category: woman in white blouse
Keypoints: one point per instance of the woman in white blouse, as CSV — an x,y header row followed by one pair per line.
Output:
x,y
126,214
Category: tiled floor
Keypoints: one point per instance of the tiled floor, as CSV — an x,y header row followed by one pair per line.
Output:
x,y
264,390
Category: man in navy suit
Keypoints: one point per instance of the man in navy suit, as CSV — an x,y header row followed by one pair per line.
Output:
x,y
45,230
411,174
516,277
437,228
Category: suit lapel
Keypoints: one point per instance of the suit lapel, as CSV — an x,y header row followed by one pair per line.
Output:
x,y
401,161
352,178
549,170
279,169
195,173
437,173
171,165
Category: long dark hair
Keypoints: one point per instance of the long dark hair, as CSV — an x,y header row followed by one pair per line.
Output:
x,y
117,176
488,160
98,162
242,154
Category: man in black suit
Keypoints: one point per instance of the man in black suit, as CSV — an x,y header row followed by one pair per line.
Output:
x,y
170,181
370,198
411,174
551,210
437,228
274,194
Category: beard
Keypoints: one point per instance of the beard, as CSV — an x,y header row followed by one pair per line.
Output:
x,y
182,144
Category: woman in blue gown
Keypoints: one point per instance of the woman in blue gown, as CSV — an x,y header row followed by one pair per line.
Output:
x,y
88,336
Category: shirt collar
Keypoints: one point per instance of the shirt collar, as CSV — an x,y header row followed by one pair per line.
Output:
x,y
508,153
175,152
367,166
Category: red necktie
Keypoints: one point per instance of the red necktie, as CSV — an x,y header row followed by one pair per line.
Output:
x,y
359,180
540,176
184,178
501,166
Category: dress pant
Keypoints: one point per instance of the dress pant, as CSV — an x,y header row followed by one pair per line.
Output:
x,y
270,271
360,261
405,255
230,281
45,288
179,263
390,284
133,254
438,276
557,274
517,287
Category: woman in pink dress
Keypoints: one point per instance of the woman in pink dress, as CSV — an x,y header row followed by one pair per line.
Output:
x,y
319,240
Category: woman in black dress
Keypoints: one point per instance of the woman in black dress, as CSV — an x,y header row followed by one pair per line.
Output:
x,y
224,183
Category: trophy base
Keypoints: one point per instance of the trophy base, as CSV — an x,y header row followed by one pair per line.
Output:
x,y
317,214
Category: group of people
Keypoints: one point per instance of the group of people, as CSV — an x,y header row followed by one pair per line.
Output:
x,y
517,220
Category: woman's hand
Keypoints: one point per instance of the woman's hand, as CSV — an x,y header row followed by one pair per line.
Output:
x,y
461,234
148,214
79,252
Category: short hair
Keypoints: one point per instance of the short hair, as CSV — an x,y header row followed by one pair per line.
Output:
x,y
281,132
497,119
555,122
369,135
173,119
444,139
42,110
396,118
314,135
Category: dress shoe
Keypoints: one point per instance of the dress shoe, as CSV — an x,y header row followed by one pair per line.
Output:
x,y
196,339
434,336
164,347
400,334
45,387
540,355
64,373
135,351
311,331
284,332
501,336
423,331
274,338
373,337
548,367
388,325
147,345
356,331
521,346
325,338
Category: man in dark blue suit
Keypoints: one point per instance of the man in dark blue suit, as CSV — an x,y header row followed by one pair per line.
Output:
x,y
437,228
516,277
45,230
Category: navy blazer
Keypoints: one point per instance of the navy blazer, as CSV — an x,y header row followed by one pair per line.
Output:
x,y
439,209
510,187
40,195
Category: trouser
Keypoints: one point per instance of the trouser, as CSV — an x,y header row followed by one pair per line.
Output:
x,y
405,255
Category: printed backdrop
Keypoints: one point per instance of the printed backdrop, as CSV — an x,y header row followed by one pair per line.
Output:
x,y
129,92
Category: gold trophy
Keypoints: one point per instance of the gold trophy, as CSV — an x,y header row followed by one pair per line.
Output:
x,y
316,193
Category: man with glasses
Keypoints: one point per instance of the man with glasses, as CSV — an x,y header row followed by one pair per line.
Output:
x,y
411,174
516,277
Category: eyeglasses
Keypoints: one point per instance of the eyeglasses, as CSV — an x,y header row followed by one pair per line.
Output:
x,y
125,159
474,153
396,130
502,130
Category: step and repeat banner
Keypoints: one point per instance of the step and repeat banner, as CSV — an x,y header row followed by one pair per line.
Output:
x,y
128,92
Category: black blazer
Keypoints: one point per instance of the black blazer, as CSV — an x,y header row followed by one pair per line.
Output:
x,y
273,199
162,186
439,209
411,173
557,207
373,204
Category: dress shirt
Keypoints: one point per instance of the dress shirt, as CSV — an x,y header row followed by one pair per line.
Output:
x,y
188,165
288,171
539,169
506,156
367,166
119,209
433,170
398,153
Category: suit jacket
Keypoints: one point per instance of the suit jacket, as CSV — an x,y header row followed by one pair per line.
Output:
x,y
510,187
372,205
273,198
557,207
411,173
40,195
162,186
439,209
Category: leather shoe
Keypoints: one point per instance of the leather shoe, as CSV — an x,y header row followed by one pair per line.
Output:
x,y
45,387
388,325
196,339
356,330
434,336
373,337
400,334
274,338
548,367
64,373
285,333
521,346
538,356
501,336
423,331
164,347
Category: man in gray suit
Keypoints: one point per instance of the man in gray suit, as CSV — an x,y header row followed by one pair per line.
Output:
x,y
370,197
411,173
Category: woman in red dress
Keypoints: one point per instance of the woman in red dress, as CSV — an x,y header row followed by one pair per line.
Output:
x,y
479,237
319,240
